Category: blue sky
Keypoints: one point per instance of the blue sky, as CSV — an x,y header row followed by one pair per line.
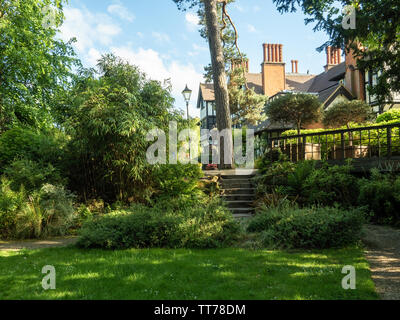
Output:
x,y
165,43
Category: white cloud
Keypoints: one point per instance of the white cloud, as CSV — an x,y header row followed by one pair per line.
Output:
x,y
93,56
122,12
152,63
88,28
192,21
161,37
251,28
239,8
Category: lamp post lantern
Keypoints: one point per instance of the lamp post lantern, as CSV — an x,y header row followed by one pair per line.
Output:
x,y
187,93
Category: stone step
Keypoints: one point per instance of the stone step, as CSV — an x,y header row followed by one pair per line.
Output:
x,y
239,204
238,197
230,177
242,216
236,184
248,211
238,191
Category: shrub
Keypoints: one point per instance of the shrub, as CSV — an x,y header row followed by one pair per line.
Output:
x,y
274,176
331,185
31,174
389,116
381,193
58,211
309,228
48,212
17,143
207,225
174,180
10,203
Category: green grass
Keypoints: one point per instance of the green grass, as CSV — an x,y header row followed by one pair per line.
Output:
x,y
184,274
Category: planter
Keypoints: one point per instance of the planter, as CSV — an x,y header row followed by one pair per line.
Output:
x,y
210,167
299,152
350,152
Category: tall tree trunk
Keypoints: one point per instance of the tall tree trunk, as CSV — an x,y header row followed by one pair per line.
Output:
x,y
224,121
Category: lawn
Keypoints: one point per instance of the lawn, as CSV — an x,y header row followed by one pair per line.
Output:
x,y
184,274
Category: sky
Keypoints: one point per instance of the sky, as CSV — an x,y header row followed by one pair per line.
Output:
x,y
165,43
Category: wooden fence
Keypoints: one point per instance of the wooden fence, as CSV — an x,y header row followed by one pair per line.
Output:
x,y
367,143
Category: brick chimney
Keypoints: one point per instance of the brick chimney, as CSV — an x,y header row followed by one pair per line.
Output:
x,y
333,57
236,63
273,69
354,78
295,66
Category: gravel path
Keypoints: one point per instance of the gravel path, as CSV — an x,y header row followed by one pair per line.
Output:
x,y
383,254
36,244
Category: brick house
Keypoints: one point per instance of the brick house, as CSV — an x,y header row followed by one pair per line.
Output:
x,y
341,80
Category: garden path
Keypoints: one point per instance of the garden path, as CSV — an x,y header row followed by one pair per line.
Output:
x,y
383,254
36,244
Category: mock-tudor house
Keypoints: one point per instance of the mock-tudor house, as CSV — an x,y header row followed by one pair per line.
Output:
x,y
341,80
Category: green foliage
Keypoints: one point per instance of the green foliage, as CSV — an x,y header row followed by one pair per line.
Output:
x,y
46,147
35,64
296,109
47,212
375,138
381,194
201,225
392,115
331,185
309,228
174,180
307,184
246,106
112,118
32,175
276,175
345,113
10,203
373,31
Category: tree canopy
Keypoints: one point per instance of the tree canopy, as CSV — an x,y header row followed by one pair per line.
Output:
x,y
296,109
375,40
347,112
34,64
110,117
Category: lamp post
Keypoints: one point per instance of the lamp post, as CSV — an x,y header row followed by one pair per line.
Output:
x,y
187,93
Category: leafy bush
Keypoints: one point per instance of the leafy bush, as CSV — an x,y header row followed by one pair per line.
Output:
x,y
381,193
174,180
48,212
275,175
310,228
10,203
309,185
45,147
205,225
31,174
389,116
331,185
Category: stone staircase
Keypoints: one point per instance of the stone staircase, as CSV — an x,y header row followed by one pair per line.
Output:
x,y
239,193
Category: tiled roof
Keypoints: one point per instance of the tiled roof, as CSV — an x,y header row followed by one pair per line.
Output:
x,y
328,79
254,81
207,91
299,82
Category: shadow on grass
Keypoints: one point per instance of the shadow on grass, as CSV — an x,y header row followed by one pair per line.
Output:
x,y
184,274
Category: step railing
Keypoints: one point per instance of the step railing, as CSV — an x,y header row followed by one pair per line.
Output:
x,y
373,142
